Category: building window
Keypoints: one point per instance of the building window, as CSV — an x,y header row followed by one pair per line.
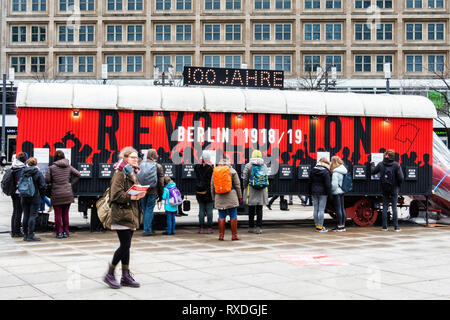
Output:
x,y
384,31
184,32
134,63
413,4
87,5
233,5
335,61
283,31
435,63
65,34
333,31
19,34
19,5
413,63
283,63
212,61
181,62
114,5
134,33
114,63
262,32
184,4
363,63
212,32
262,4
135,5
312,31
261,62
85,64
39,5
360,4
436,31
233,32
163,63
333,4
114,33
282,4
162,32
413,31
362,31
65,5
435,4
163,4
86,34
18,63
38,33
37,64
312,4
233,62
384,4
65,64
310,63
381,60
212,4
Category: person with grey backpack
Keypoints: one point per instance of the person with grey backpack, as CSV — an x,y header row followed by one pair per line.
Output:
x,y
151,174
391,178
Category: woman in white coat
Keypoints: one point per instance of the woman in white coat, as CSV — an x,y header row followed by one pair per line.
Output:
x,y
338,170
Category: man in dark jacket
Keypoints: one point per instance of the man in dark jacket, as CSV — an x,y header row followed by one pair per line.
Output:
x,y
31,205
320,189
391,177
203,173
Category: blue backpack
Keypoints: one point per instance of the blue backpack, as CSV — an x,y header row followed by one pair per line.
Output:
x,y
347,183
259,179
26,187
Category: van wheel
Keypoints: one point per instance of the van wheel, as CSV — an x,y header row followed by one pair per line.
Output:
x,y
415,207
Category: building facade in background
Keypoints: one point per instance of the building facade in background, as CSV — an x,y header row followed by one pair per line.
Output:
x,y
71,39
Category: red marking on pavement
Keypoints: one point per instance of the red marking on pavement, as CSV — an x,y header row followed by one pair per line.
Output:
x,y
311,259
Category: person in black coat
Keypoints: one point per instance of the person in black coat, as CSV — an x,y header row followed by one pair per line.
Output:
x,y
31,205
203,173
391,178
320,189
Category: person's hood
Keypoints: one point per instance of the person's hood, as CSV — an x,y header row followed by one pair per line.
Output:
x,y
224,162
257,161
63,163
17,164
30,171
388,161
341,169
171,185
323,164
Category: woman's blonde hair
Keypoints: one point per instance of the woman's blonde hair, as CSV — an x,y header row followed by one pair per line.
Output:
x,y
31,162
335,162
125,152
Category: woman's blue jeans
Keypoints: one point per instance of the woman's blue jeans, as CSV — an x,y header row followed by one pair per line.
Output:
x,y
148,205
228,212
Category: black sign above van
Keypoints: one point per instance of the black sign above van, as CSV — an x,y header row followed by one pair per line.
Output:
x,y
227,77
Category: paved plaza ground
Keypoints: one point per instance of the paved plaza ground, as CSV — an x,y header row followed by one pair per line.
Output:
x,y
288,261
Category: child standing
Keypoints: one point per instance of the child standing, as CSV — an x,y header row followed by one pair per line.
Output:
x,y
172,199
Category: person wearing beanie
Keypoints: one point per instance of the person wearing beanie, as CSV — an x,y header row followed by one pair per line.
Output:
x,y
203,172
255,197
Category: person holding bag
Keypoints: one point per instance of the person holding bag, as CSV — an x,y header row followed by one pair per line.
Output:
x,y
255,181
203,173
125,215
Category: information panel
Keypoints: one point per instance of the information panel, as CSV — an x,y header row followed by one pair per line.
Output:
x,y
304,171
359,172
85,170
106,171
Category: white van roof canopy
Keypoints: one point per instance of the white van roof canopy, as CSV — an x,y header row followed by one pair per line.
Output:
x,y
236,100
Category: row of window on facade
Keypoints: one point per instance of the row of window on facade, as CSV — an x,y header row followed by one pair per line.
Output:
x,y
135,63
231,32
164,5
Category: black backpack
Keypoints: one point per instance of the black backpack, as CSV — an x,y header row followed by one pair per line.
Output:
x,y
9,183
388,179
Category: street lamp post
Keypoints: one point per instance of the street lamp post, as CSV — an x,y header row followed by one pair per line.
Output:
x,y
2,151
387,76
170,71
104,73
325,75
